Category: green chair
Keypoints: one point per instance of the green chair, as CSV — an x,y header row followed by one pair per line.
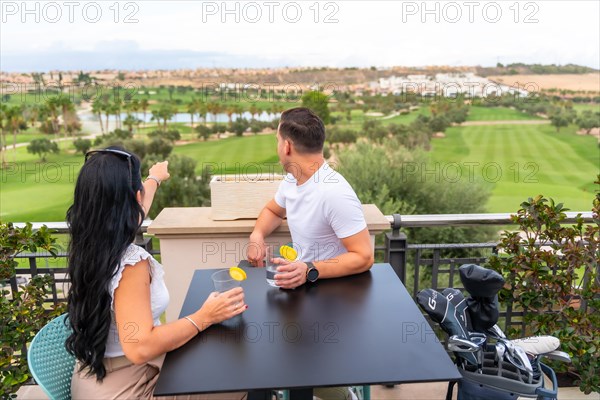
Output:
x,y
362,392
49,362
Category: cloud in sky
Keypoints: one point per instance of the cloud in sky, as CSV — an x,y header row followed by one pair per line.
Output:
x,y
187,34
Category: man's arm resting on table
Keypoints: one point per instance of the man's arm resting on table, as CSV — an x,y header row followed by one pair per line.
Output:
x,y
359,258
268,220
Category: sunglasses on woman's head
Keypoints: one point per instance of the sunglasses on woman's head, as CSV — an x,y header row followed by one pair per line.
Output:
x,y
112,151
120,153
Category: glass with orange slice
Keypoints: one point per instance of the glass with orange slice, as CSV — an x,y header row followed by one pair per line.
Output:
x,y
227,279
287,252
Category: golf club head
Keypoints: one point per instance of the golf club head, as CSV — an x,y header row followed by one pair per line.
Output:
x,y
495,332
459,344
465,349
558,356
480,339
500,350
509,346
517,357
523,359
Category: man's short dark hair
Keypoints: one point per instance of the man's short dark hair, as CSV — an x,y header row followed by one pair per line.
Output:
x,y
304,128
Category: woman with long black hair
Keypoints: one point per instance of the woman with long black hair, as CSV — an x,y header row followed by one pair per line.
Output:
x,y
117,291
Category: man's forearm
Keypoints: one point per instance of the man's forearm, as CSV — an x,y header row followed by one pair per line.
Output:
x,y
344,264
266,223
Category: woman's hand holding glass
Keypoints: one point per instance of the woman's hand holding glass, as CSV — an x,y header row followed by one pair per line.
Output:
x,y
219,307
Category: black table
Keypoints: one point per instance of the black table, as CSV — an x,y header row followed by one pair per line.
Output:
x,y
361,329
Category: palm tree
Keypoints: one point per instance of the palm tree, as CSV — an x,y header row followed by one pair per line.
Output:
x,y
202,110
43,117
274,109
144,106
238,110
166,112
107,108
53,105
130,121
254,110
192,108
2,134
214,109
230,110
97,107
117,107
137,125
66,106
14,116
134,105
156,117
210,108
72,122
31,113
131,107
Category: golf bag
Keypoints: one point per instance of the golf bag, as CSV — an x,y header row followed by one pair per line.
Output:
x,y
492,366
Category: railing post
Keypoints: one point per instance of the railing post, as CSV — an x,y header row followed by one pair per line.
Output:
x,y
395,248
141,241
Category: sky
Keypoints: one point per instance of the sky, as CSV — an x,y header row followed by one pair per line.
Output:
x,y
161,34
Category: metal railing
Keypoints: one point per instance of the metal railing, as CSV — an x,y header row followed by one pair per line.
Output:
x,y
398,221
430,259
59,288
417,265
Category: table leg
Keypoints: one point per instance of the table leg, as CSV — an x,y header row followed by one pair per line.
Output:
x,y
301,394
260,395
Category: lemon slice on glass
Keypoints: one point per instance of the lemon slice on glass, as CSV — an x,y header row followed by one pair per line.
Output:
x,y
237,273
288,252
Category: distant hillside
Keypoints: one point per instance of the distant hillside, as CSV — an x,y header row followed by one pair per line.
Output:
x,y
202,76
290,76
534,69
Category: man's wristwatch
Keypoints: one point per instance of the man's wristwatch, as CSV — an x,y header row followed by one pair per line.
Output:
x,y
312,273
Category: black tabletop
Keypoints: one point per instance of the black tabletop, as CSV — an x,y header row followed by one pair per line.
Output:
x,y
361,329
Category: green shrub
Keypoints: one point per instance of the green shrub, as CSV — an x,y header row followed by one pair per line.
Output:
x,y
82,145
183,188
203,131
42,147
551,273
24,315
172,135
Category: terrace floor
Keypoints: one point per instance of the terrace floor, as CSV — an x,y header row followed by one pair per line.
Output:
x,y
416,391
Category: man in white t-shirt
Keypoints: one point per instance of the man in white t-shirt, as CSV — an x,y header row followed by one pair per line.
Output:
x,y
324,214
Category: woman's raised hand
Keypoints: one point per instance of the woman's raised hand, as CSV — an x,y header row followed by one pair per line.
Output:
x,y
160,170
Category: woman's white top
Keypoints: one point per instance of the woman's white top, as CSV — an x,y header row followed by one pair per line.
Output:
x,y
159,295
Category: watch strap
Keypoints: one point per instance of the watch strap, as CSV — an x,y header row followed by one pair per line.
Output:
x,y
311,267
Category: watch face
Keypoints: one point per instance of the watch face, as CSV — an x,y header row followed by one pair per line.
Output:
x,y
312,275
